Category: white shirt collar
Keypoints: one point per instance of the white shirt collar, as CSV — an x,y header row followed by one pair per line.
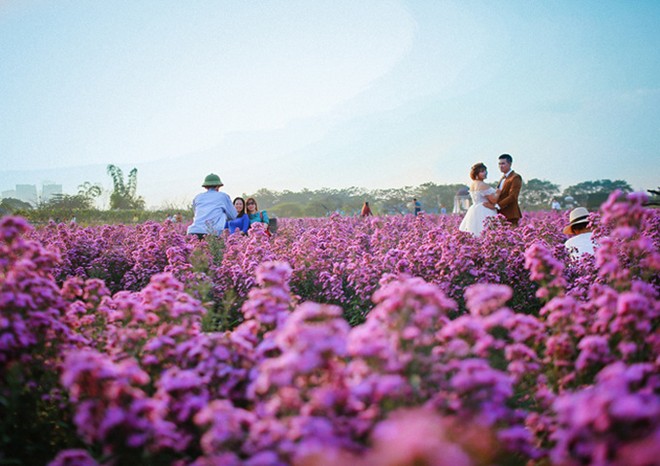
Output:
x,y
506,175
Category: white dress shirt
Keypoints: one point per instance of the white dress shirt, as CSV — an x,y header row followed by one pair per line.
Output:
x,y
499,186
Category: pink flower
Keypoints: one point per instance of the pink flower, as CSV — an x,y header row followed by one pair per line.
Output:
x,y
415,437
484,299
73,457
594,350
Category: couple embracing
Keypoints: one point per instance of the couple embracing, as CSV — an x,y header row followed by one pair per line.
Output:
x,y
488,201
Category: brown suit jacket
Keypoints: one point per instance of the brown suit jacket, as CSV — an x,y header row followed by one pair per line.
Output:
x,y
508,200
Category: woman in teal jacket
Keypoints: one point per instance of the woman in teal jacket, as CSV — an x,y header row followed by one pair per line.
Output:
x,y
253,212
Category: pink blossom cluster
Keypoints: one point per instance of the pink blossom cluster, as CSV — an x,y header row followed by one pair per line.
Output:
x,y
492,350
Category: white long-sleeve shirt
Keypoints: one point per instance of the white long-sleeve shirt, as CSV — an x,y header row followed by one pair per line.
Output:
x,y
580,244
212,210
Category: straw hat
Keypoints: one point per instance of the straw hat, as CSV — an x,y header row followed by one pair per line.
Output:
x,y
212,180
577,215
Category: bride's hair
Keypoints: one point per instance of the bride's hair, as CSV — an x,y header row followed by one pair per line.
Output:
x,y
476,169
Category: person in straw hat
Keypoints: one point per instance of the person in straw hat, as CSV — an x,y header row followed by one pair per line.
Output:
x,y
212,209
580,241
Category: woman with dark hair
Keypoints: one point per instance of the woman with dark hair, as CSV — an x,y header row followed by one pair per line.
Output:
x,y
483,199
242,222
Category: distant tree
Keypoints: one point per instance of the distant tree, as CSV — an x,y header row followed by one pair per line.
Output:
x,y
68,202
265,198
316,203
591,194
287,209
433,196
10,205
87,192
655,196
124,194
395,200
351,199
331,199
538,194
315,209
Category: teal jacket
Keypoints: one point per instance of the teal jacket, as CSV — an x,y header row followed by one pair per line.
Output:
x,y
261,216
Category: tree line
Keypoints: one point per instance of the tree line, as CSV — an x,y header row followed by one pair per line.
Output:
x,y
536,194
123,197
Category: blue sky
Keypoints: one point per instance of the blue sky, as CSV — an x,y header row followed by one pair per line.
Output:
x,y
309,94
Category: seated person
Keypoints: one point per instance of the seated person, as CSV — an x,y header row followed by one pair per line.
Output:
x,y
242,222
581,241
212,209
254,213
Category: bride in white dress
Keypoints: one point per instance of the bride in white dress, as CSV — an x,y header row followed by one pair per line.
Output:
x,y
481,194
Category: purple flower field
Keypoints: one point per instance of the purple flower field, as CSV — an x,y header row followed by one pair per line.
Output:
x,y
377,341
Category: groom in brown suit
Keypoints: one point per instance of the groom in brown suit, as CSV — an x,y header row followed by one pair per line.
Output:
x,y
510,185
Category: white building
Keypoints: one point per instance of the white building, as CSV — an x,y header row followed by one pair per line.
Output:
x,y
27,193
9,194
49,190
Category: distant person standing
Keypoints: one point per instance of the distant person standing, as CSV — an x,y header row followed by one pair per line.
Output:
x,y
417,205
212,209
555,205
366,210
509,186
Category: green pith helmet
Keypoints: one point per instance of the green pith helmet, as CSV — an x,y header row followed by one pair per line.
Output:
x,y
212,180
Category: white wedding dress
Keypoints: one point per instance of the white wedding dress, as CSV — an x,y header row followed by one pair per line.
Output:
x,y
473,222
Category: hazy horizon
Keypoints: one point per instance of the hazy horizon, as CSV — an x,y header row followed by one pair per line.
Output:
x,y
186,201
